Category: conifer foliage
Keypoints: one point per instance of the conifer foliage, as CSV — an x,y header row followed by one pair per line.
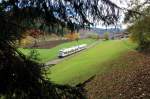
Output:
x,y
22,78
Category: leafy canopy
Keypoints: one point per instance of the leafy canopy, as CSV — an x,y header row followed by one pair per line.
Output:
x,y
140,30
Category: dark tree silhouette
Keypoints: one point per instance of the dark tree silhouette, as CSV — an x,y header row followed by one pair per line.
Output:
x,y
137,11
22,78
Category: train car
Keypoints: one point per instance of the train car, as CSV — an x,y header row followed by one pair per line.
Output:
x,y
68,51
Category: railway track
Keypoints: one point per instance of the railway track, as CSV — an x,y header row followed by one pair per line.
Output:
x,y
58,60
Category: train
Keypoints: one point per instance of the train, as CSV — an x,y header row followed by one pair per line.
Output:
x,y
68,51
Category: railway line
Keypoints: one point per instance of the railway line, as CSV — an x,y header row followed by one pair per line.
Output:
x,y
58,60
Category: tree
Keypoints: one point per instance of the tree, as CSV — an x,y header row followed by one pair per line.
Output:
x,y
137,10
106,36
140,31
22,78
72,36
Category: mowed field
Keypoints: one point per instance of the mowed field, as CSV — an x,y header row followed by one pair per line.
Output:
x,y
45,55
82,66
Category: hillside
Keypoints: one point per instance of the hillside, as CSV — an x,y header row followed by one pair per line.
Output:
x,y
101,31
129,78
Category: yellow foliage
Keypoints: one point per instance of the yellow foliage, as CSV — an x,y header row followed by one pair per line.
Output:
x,y
72,36
26,41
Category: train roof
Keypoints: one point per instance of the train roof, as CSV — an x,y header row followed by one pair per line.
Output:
x,y
71,48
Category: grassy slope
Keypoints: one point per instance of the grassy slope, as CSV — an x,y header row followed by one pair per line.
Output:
x,y
82,66
50,54
128,78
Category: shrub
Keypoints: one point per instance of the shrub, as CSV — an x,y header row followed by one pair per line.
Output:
x,y
94,36
140,33
106,36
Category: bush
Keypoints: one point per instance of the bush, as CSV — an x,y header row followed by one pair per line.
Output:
x,y
94,36
140,33
26,41
106,36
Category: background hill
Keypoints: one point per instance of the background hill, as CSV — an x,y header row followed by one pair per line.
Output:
x,y
100,32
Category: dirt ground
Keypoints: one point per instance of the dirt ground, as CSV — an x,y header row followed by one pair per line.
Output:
x,y
47,44
128,79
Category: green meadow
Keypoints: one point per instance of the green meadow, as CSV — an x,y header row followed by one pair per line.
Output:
x,y
45,55
80,67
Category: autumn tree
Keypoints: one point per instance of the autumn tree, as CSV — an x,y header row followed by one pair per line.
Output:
x,y
140,33
140,21
72,36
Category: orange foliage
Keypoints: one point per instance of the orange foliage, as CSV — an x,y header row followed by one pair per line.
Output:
x,y
35,33
29,36
72,36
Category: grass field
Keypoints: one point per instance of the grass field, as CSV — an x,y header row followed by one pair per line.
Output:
x,y
50,54
82,66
